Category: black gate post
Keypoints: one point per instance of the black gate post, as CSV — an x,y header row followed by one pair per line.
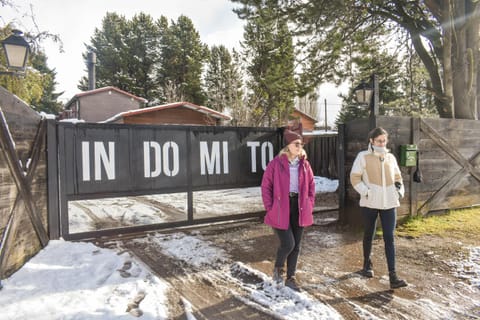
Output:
x,y
190,217
62,180
52,180
415,138
341,174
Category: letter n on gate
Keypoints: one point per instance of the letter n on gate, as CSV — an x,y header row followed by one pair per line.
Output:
x,y
101,157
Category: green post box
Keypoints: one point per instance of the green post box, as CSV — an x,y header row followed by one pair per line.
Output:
x,y
408,155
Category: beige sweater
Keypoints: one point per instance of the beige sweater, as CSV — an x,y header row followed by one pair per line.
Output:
x,y
373,176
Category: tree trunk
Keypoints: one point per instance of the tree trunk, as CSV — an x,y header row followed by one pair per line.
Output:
x,y
444,105
465,57
473,41
447,53
478,86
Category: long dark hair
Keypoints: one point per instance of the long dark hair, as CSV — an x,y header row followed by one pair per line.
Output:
x,y
377,132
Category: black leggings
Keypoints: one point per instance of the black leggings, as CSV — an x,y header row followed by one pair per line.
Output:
x,y
388,218
290,240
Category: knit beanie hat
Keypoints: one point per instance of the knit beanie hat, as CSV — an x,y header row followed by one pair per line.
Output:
x,y
289,136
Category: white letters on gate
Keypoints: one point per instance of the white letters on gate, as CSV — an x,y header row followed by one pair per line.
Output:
x,y
100,156
210,163
265,147
176,162
146,159
166,158
169,169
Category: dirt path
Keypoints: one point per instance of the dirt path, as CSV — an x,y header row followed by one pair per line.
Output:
x,y
328,268
209,300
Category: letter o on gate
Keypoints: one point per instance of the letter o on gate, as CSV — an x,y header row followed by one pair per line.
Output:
x,y
171,147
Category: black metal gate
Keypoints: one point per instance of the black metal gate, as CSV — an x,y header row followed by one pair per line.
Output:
x,y
117,160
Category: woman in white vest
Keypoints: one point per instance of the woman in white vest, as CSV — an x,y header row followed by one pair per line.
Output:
x,y
377,178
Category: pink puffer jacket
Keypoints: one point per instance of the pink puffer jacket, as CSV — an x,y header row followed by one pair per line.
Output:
x,y
275,193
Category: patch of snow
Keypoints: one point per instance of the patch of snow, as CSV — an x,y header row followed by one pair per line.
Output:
x,y
47,115
69,280
323,185
191,250
72,120
84,215
215,266
469,268
75,280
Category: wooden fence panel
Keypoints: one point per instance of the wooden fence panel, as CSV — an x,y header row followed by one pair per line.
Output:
x,y
23,201
449,159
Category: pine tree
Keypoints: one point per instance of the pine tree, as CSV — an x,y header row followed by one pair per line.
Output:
x,y
142,57
48,101
268,50
127,55
223,80
109,45
182,58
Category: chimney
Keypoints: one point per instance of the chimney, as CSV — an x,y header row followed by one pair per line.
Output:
x,y
91,61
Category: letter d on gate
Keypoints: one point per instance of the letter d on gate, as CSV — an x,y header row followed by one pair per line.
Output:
x,y
146,159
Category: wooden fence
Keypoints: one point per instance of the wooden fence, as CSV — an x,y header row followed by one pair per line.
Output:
x,y
23,183
449,159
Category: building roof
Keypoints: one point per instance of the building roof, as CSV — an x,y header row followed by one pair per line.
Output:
x,y
99,90
305,115
188,105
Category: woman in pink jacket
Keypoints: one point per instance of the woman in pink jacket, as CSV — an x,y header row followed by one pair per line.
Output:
x,y
288,193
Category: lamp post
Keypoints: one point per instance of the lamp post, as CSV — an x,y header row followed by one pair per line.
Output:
x,y
364,92
16,52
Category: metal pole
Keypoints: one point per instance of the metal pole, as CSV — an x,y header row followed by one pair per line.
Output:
x,y
326,124
374,102
92,60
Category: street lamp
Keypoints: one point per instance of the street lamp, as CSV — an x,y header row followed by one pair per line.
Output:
x,y
16,52
363,93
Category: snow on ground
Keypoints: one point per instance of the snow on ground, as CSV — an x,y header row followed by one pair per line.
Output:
x,y
469,269
68,280
91,215
323,185
263,293
75,280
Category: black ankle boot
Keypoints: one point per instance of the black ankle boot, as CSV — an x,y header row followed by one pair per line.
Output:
x,y
395,282
367,269
291,282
